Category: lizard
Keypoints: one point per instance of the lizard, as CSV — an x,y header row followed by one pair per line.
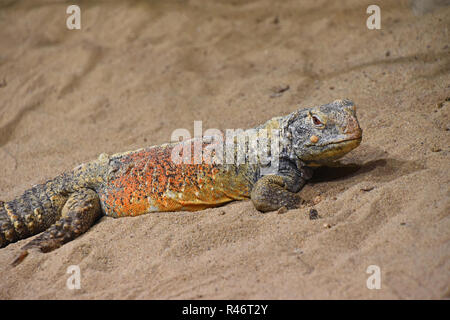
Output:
x,y
150,180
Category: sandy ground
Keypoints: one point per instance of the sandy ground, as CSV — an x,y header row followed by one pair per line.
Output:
x,y
137,70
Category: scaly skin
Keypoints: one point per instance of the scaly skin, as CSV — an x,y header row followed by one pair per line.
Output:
x,y
148,180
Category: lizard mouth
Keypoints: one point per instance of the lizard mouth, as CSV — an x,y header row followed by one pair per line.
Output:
x,y
338,142
345,141
332,150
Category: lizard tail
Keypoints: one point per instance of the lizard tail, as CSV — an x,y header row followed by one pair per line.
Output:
x,y
31,213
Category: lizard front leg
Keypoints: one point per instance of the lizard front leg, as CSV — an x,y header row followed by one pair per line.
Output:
x,y
272,192
79,213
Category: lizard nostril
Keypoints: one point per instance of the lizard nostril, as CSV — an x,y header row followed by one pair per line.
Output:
x,y
352,127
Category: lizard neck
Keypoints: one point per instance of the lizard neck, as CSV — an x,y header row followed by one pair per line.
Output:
x,y
281,155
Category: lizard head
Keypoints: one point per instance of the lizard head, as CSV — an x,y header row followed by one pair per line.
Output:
x,y
324,133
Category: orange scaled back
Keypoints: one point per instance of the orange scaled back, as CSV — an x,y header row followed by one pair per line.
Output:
x,y
147,180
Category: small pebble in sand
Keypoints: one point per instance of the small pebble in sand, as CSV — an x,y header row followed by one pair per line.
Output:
x,y
327,225
317,199
282,210
313,214
435,149
278,90
222,212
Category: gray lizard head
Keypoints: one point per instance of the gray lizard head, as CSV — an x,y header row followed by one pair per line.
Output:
x,y
324,133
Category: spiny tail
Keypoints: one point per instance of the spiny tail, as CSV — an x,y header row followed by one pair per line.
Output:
x,y
31,213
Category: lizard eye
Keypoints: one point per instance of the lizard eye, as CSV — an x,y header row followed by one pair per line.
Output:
x,y
316,121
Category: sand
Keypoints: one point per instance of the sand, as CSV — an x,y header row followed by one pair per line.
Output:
x,y
138,70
